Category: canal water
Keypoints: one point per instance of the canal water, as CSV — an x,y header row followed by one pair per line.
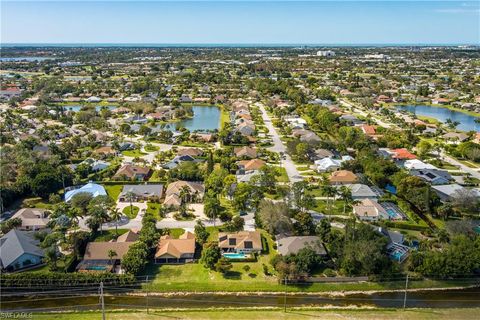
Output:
x,y
419,299
467,122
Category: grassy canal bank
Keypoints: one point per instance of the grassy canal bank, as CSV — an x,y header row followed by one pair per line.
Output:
x,y
274,313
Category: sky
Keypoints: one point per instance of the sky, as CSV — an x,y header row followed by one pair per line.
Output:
x,y
241,22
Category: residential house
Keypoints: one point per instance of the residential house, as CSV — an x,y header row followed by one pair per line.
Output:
x,y
432,176
416,164
292,245
245,152
18,250
33,219
174,190
132,172
129,236
370,210
92,188
320,154
179,250
447,192
330,164
105,151
240,242
343,177
141,192
250,165
455,137
172,164
361,191
192,152
97,257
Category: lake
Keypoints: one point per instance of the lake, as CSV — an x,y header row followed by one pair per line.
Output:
x,y
76,108
467,122
205,118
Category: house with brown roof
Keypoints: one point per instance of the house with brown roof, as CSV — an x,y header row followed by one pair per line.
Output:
x,y
179,250
174,190
32,219
129,236
132,172
251,165
245,152
343,177
97,256
192,152
240,242
105,151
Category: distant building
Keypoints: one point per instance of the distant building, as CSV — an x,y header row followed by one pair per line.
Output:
x,y
325,53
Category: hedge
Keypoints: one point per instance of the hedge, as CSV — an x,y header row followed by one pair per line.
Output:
x,y
57,279
407,226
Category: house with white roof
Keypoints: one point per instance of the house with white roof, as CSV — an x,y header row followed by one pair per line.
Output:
x,y
94,189
18,250
329,164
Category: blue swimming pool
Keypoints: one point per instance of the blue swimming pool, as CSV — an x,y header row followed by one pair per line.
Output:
x,y
96,268
391,213
235,255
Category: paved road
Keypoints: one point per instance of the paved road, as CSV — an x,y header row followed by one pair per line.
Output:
x,y
463,167
278,146
365,114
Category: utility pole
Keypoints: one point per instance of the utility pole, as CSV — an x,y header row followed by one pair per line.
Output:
x,y
147,294
102,302
405,295
285,297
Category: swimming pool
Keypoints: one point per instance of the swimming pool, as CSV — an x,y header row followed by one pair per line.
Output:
x,y
96,268
391,213
235,255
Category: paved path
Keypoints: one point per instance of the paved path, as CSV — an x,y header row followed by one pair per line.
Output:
x,y
278,146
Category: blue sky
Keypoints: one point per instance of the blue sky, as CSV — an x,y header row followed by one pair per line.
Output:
x,y
276,22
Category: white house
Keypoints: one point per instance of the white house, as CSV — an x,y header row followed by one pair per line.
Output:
x,y
329,164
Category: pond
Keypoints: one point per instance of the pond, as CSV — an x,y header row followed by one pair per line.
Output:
x,y
467,122
205,118
76,108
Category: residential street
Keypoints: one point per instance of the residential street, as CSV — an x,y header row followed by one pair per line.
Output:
x,y
278,146
464,168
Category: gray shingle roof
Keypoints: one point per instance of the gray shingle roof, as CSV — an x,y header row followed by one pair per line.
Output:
x,y
14,244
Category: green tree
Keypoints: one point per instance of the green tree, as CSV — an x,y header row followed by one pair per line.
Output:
x,y
201,233
210,255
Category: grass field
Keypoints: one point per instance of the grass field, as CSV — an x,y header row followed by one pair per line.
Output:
x,y
291,314
133,153
131,212
113,190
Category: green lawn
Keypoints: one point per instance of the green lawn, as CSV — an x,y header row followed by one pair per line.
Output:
x,y
132,212
283,177
195,277
107,235
113,190
151,148
335,207
133,153
154,208
273,313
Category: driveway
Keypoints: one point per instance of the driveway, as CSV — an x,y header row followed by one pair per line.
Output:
x,y
463,167
278,146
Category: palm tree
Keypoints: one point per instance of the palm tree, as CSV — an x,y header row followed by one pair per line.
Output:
x,y
346,195
130,197
111,254
328,190
115,215
185,194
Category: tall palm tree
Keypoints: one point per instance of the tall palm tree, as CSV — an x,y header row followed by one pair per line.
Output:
x,y
346,194
111,254
115,215
130,197
185,194
328,190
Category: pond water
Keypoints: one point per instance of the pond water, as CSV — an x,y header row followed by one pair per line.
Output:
x,y
77,108
205,118
467,122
